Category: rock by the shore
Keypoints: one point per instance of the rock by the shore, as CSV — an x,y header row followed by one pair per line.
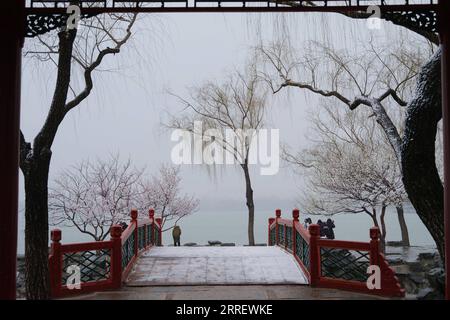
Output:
x,y
20,281
214,243
190,244
228,244
436,278
426,255
419,270
395,261
395,243
425,294
417,279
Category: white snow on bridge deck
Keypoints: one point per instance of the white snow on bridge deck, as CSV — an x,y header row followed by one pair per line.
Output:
x,y
215,266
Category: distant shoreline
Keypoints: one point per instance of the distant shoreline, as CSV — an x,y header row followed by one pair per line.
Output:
x,y
231,227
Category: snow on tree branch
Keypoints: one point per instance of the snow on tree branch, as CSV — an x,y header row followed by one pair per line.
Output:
x,y
94,195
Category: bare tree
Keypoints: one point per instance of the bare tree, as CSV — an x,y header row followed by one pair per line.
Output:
x,y
236,105
163,194
350,168
76,55
93,196
381,78
419,162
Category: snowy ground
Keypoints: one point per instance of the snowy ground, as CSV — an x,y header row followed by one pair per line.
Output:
x,y
214,266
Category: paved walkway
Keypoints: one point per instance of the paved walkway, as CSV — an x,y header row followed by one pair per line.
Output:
x,y
219,273
241,292
187,266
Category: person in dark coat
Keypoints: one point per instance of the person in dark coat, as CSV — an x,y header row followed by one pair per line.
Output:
x,y
326,228
176,234
329,233
321,227
123,225
308,221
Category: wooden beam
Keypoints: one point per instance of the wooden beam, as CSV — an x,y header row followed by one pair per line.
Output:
x,y
230,9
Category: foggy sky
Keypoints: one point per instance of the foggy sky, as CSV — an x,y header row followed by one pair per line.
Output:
x,y
172,52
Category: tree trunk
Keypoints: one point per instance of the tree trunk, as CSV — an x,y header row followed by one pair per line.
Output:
x,y
35,164
250,205
420,175
403,226
36,229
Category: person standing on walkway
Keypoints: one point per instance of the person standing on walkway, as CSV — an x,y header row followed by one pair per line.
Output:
x,y
176,233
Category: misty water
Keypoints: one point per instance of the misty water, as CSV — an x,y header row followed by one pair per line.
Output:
x,y
231,226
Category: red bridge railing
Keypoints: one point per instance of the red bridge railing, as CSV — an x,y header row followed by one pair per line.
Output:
x,y
334,263
101,265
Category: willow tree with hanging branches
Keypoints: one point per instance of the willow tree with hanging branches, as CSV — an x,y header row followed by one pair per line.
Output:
x,y
398,83
236,104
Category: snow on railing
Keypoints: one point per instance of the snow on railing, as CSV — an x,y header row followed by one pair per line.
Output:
x,y
96,266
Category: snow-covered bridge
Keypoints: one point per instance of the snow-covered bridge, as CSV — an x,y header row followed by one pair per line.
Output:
x,y
167,266
134,258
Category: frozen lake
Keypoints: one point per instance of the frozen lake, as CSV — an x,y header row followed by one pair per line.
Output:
x,y
231,226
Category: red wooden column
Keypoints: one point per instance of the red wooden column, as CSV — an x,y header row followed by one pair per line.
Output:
x,y
159,222
295,216
374,245
145,235
278,216
56,263
444,21
271,221
285,237
314,254
12,24
116,263
151,215
134,215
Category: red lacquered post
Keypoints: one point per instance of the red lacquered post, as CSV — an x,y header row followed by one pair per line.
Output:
x,y
314,254
56,263
159,222
12,32
277,226
374,245
271,221
285,237
116,259
295,217
134,215
151,215
147,225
